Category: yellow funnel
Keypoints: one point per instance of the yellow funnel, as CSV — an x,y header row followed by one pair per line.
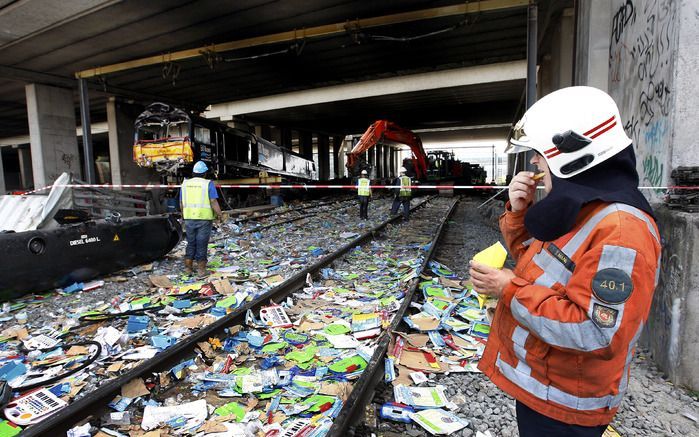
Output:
x,y
494,256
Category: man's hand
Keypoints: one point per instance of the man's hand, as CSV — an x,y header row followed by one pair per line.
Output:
x,y
487,280
521,190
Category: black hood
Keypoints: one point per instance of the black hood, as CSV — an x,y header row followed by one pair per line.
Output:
x,y
614,180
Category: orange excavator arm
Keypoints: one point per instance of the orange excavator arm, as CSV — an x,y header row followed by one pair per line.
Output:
x,y
384,130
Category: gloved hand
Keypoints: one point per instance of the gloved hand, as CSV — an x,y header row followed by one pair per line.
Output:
x,y
223,217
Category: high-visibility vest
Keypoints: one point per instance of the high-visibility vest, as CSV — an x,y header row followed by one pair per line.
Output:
x,y
404,186
363,187
563,335
195,200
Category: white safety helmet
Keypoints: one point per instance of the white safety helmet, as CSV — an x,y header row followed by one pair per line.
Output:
x,y
364,172
403,170
574,129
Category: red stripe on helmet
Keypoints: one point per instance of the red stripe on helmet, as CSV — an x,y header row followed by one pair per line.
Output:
x,y
552,149
556,153
599,126
603,130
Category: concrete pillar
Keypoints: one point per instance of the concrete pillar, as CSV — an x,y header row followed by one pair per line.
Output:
x,y
323,157
391,162
264,131
286,137
379,160
386,169
592,40
556,69
120,119
371,160
276,135
26,175
3,188
54,145
306,144
337,146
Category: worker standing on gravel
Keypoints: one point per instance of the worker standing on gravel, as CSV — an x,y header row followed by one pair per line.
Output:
x,y
199,207
364,194
403,194
587,254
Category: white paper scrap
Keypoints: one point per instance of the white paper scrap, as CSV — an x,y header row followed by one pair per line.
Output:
x,y
195,412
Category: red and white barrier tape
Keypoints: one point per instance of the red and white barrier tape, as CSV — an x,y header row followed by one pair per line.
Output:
x,y
317,186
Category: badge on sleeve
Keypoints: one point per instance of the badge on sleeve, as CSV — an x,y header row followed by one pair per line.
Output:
x,y
603,316
612,286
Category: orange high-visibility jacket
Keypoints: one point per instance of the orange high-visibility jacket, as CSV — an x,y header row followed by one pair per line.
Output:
x,y
564,331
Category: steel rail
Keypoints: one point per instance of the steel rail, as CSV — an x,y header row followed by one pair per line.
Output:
x,y
362,391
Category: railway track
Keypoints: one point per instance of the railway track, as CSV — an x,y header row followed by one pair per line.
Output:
x,y
80,407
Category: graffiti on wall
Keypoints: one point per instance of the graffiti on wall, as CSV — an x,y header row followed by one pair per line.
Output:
x,y
642,50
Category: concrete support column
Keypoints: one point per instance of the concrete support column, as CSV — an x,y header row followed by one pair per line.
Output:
x,y
378,160
306,144
264,131
385,155
286,137
392,161
120,119
371,160
3,188
337,145
323,157
54,145
592,43
276,135
26,175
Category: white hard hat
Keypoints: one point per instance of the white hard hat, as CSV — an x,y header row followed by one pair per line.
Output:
x,y
574,129
403,170
364,172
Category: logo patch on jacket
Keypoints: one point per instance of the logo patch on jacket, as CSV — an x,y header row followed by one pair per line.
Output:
x,y
612,286
603,316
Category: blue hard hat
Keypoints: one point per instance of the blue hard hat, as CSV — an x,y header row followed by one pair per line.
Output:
x,y
200,167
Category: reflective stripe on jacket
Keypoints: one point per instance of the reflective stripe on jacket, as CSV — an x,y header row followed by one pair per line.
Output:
x,y
363,187
405,186
564,331
195,200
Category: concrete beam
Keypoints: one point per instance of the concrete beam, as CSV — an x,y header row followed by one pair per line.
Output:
x,y
51,114
322,31
95,128
491,73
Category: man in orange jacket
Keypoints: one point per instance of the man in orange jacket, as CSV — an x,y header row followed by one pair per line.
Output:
x,y
588,254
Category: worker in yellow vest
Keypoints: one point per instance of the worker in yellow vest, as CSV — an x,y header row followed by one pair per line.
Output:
x,y
364,194
199,207
403,194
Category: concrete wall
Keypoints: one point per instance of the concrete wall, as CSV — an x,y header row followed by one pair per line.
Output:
x,y
652,63
643,50
671,334
51,114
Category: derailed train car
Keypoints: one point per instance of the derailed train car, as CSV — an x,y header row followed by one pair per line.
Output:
x,y
170,141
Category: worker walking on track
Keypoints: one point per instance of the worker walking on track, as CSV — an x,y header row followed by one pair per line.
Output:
x,y
569,315
364,194
403,194
199,207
